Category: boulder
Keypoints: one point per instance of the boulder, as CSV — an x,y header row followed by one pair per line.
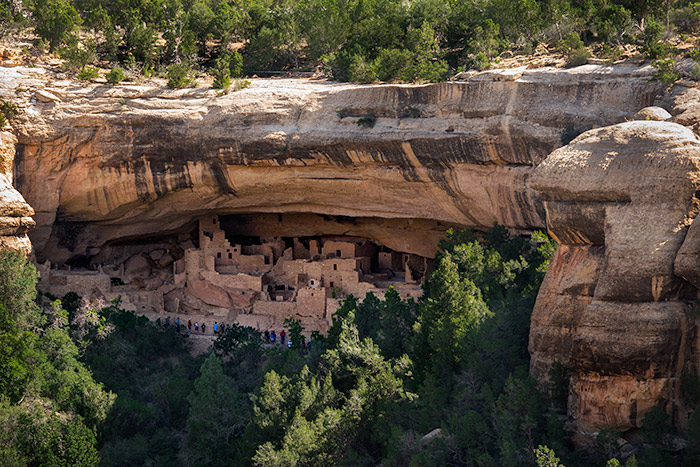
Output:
x,y
136,267
620,201
45,96
653,113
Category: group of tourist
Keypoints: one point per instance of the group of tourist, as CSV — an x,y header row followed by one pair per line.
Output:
x,y
219,329
269,336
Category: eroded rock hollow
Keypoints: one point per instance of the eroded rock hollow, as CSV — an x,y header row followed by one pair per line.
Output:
x,y
276,200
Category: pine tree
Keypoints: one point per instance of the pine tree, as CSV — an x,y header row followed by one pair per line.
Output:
x,y
216,419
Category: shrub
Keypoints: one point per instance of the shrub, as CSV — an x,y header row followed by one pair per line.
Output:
x,y
687,19
608,53
653,45
8,111
391,63
180,76
480,61
239,84
578,57
88,74
695,71
665,72
426,70
694,54
367,121
115,76
221,74
612,22
360,70
76,55
572,42
235,64
55,21
410,112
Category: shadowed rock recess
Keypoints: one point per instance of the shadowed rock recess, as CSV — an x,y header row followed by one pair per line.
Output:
x,y
275,200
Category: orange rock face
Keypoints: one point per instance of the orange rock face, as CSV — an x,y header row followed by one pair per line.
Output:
x,y
126,161
613,307
15,214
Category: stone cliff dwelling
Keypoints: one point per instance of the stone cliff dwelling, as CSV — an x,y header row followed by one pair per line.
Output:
x,y
211,274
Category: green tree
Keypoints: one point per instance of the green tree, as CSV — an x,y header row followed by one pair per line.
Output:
x,y
115,76
692,451
545,457
48,398
326,26
326,418
295,331
217,417
56,21
180,76
518,413
453,309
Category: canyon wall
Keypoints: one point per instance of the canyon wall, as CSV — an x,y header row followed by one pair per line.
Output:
x,y
107,165
15,214
103,163
615,307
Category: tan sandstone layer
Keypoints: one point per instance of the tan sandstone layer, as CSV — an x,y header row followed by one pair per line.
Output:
x,y
614,306
15,214
101,163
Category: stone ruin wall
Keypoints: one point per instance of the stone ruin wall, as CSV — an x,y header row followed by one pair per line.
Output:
x,y
252,285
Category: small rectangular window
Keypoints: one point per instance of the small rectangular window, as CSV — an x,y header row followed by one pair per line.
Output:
x,y
335,267
337,253
331,284
218,255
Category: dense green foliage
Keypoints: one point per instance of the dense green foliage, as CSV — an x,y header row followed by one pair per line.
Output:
x,y
51,408
438,381
357,40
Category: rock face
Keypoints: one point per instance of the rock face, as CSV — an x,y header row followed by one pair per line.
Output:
x,y
111,168
615,305
122,162
15,214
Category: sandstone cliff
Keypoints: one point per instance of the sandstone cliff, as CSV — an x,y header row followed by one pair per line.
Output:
x,y
615,307
15,213
120,162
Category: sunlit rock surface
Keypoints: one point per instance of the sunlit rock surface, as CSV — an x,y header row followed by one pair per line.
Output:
x,y
15,214
615,305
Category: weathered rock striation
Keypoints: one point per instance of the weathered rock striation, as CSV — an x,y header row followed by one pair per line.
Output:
x,y
15,214
615,304
126,161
